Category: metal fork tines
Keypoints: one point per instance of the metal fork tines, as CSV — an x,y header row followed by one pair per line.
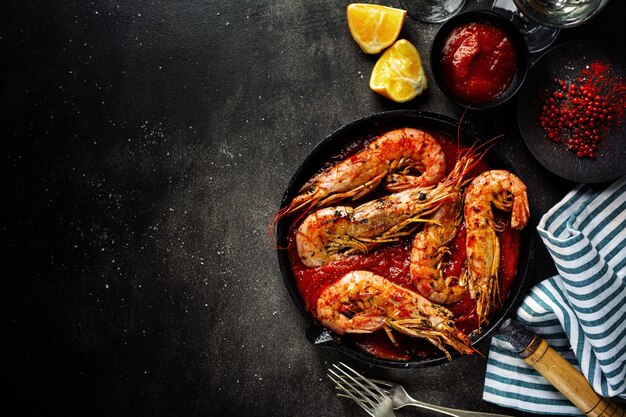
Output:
x,y
370,393
353,385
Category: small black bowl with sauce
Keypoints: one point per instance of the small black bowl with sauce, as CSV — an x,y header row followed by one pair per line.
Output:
x,y
479,59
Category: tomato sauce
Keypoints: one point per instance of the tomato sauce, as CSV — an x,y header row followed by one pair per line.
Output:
x,y
392,262
478,62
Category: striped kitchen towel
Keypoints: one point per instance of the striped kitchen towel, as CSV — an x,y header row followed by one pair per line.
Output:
x,y
581,312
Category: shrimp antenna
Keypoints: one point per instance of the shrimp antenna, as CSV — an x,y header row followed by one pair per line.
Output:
x,y
483,147
271,226
273,223
475,154
480,148
477,148
477,351
458,131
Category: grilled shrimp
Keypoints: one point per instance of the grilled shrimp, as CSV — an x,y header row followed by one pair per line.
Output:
x,y
326,235
429,252
333,233
505,191
393,156
408,151
362,302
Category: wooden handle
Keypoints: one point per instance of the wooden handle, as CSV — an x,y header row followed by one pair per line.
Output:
x,y
571,383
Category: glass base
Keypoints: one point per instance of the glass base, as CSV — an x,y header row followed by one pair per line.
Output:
x,y
432,11
560,14
537,37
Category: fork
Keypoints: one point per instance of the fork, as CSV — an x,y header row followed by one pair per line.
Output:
x,y
354,385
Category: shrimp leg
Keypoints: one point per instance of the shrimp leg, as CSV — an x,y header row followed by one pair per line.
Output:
x,y
429,252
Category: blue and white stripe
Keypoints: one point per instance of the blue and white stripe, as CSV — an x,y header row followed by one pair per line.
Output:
x,y
581,312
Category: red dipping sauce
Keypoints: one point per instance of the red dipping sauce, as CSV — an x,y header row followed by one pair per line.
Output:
x,y
478,62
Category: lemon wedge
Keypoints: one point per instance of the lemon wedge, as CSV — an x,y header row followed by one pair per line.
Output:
x,y
398,73
374,27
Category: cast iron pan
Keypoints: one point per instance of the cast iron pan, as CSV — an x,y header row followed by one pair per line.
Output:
x,y
332,145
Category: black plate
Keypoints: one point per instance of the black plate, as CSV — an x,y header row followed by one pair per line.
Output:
x,y
332,145
565,62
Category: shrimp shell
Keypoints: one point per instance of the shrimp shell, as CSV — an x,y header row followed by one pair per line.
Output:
x,y
505,191
429,251
393,156
335,232
363,302
326,235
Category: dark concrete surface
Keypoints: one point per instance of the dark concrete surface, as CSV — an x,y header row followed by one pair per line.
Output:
x,y
145,145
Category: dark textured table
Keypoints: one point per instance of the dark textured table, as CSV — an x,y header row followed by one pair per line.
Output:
x,y
145,146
